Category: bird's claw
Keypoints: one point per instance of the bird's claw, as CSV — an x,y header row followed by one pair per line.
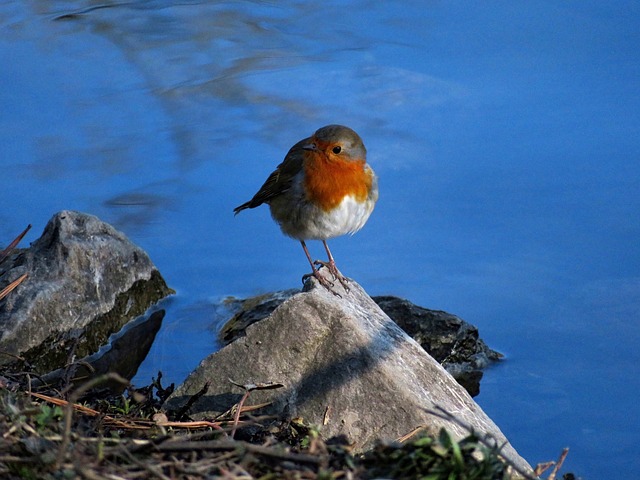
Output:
x,y
323,281
331,266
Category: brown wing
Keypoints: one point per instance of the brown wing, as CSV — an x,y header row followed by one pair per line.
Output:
x,y
280,180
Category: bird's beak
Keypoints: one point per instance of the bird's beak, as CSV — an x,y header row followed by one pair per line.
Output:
x,y
312,147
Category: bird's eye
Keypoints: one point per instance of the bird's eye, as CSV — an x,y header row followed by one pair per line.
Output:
x,y
337,149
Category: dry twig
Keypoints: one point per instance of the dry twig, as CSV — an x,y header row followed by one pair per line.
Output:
x,y
5,253
12,286
132,423
68,416
543,467
248,388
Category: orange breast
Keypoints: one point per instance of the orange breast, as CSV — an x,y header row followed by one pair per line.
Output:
x,y
328,181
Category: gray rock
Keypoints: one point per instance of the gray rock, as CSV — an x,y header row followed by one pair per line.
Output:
x,y
454,343
250,311
85,281
345,366
126,351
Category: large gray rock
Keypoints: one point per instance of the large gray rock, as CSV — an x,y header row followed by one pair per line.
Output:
x,y
124,354
85,281
345,366
454,343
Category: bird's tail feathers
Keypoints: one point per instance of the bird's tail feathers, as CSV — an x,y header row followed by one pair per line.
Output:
x,y
244,206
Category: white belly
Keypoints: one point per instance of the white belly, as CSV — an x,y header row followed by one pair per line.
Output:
x,y
308,222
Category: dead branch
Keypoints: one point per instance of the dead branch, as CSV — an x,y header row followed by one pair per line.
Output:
x,y
5,253
12,286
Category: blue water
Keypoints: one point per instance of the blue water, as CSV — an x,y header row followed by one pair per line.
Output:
x,y
506,139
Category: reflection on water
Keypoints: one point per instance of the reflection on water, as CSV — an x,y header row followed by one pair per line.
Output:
x,y
505,138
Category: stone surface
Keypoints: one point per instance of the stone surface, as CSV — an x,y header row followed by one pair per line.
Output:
x,y
250,311
85,281
345,366
447,338
454,343
124,354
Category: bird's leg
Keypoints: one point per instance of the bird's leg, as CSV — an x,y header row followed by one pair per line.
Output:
x,y
315,273
331,265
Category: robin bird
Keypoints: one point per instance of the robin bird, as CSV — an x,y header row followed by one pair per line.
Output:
x,y
322,189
